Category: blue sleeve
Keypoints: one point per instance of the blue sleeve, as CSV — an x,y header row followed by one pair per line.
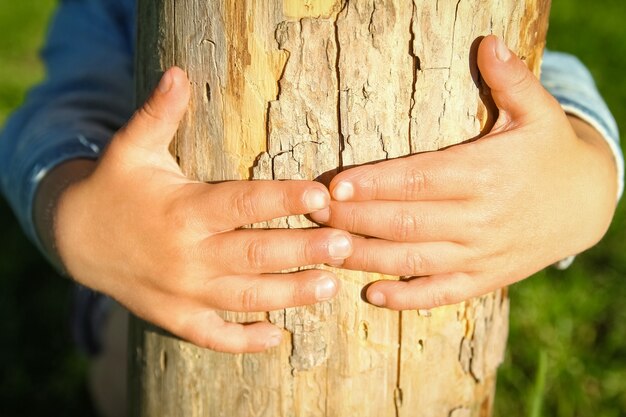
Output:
x,y
569,81
87,95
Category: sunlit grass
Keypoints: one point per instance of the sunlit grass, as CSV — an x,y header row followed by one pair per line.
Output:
x,y
23,24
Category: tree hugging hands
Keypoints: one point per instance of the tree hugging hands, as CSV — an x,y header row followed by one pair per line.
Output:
x,y
171,250
462,221
478,216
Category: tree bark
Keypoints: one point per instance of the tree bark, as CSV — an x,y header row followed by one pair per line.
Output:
x,y
300,89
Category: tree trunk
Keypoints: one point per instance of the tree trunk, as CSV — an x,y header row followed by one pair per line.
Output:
x,y
298,89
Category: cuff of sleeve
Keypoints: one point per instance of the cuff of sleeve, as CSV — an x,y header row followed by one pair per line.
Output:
x,y
35,169
565,263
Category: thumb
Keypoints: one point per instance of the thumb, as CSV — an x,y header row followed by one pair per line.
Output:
x,y
514,88
154,124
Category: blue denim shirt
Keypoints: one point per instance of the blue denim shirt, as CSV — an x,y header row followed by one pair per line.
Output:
x,y
88,94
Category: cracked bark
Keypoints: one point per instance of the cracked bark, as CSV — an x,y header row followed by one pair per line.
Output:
x,y
300,89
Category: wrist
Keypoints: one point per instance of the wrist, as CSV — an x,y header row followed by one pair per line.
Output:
x,y
601,173
48,195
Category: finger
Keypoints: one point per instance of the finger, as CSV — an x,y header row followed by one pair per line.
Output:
x,y
427,176
427,292
407,259
271,291
238,203
153,126
252,251
194,322
206,329
515,89
399,221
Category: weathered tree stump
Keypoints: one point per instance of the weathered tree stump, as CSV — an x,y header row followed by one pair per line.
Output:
x,y
298,89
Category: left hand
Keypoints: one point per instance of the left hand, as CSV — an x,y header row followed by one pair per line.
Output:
x,y
478,216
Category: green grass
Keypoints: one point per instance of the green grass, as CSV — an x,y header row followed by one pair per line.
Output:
x,y
567,347
23,26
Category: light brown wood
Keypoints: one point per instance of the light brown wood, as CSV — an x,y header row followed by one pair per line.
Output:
x,y
298,89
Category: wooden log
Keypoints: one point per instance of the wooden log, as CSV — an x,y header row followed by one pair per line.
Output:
x,y
300,89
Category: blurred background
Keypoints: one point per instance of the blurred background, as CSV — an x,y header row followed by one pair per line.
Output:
x,y
567,347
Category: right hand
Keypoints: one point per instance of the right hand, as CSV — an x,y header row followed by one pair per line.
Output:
x,y
171,250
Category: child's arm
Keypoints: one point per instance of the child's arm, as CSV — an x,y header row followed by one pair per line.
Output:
x,y
539,188
72,114
172,250
130,224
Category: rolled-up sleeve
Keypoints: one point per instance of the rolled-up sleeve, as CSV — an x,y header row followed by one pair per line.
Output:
x,y
569,81
86,96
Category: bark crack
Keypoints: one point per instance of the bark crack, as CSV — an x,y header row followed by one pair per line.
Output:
x,y
397,394
381,138
215,69
370,26
416,68
456,19
342,139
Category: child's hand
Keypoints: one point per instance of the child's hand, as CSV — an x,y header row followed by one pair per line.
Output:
x,y
171,250
478,216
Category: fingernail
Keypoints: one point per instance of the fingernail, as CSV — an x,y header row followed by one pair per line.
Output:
x,y
376,298
343,191
321,216
339,247
316,199
166,82
325,288
273,341
503,53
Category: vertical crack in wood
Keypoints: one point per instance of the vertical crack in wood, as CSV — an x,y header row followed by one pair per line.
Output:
x,y
397,395
342,138
456,19
416,68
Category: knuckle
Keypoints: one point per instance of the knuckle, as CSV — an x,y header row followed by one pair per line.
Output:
x,y
414,182
213,344
292,202
486,219
244,204
255,255
370,184
440,296
249,298
179,216
149,113
300,292
523,80
351,219
207,339
404,225
414,263
309,252
211,333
